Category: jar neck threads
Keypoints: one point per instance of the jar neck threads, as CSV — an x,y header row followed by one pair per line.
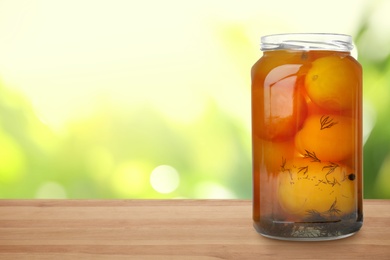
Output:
x,y
307,41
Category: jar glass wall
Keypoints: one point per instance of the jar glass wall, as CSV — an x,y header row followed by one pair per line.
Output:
x,y
307,137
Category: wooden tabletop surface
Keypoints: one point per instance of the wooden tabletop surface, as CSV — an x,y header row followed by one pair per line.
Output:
x,y
168,229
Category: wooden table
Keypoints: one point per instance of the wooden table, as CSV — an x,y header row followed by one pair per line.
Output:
x,y
168,229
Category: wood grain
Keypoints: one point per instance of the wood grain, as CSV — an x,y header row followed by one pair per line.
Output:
x,y
168,229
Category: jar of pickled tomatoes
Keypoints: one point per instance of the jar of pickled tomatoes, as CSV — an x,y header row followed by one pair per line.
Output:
x,y
307,137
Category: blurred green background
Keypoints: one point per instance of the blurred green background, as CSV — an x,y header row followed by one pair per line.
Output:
x,y
151,99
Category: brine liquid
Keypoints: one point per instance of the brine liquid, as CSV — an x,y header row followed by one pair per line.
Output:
x,y
307,144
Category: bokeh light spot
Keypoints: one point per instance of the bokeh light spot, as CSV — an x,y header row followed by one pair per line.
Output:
x,y
164,179
212,190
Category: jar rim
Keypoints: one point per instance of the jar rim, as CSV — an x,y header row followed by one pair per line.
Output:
x,y
307,41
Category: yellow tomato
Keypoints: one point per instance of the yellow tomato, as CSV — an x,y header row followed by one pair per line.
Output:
x,y
330,137
308,187
332,82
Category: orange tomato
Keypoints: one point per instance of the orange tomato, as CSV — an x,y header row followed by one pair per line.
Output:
x,y
279,108
330,137
271,154
332,82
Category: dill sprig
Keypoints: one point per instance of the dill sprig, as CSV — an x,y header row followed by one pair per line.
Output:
x,y
331,167
333,210
326,122
312,156
283,165
303,169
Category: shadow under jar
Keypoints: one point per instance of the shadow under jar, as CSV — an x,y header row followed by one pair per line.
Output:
x,y
307,137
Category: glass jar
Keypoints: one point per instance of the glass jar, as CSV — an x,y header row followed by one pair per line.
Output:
x,y
307,137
